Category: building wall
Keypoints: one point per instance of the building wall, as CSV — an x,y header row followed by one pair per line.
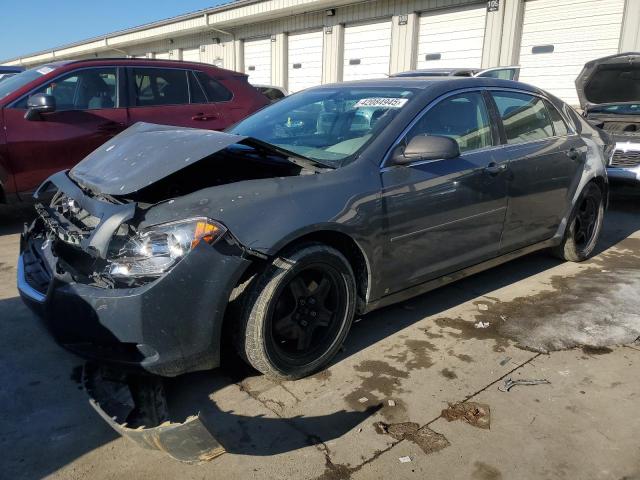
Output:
x,y
220,35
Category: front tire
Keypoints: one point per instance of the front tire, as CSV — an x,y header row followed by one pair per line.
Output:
x,y
298,312
585,224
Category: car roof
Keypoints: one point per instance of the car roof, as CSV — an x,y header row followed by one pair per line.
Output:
x,y
437,71
424,83
133,61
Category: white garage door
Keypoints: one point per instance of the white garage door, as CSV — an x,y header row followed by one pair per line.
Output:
x,y
162,56
452,38
560,36
257,60
305,60
191,54
367,49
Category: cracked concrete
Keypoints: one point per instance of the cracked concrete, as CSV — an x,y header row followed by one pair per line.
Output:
x,y
408,362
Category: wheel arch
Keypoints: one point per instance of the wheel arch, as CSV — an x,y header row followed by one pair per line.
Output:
x,y
347,246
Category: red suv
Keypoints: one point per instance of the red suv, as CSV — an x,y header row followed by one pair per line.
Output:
x,y
52,116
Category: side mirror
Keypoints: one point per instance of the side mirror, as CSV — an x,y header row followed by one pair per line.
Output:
x,y
427,147
39,103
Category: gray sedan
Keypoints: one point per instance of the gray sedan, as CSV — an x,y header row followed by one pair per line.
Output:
x,y
167,242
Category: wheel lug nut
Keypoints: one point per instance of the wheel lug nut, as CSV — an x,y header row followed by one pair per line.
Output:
x,y
303,323
312,301
313,314
302,301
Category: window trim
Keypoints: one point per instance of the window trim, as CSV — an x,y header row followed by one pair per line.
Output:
x,y
118,103
384,164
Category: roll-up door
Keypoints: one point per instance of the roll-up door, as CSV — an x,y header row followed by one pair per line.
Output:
x,y
560,36
257,60
305,60
367,49
452,38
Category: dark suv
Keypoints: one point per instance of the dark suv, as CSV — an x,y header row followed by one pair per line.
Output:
x,y
54,115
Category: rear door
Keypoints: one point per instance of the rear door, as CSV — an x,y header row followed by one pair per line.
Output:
x,y
171,96
444,215
545,159
88,113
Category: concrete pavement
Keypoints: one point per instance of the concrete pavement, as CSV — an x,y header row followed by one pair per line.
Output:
x,y
404,363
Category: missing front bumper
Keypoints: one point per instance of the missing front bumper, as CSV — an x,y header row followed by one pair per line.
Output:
x,y
135,406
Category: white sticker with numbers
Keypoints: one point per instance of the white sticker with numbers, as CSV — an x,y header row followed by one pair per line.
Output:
x,y
381,102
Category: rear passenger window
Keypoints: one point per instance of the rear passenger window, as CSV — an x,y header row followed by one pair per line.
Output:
x,y
525,117
157,86
215,91
559,127
197,95
463,118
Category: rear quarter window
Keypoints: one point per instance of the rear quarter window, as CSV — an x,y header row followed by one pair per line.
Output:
x,y
215,91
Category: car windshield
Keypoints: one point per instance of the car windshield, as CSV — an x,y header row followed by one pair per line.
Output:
x,y
620,109
21,79
328,126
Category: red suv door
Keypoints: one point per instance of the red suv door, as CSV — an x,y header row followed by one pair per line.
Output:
x,y
171,96
87,114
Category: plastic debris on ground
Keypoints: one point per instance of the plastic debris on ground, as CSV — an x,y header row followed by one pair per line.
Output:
x,y
509,384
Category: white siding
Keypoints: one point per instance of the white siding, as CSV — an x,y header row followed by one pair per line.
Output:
x,y
455,35
257,60
191,54
305,60
367,49
579,30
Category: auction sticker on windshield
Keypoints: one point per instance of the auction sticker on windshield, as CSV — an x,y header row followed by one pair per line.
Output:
x,y
381,102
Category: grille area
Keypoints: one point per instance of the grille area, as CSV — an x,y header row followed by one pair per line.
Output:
x,y
625,159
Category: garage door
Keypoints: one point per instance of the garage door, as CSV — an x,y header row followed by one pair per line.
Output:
x,y
191,54
162,56
367,49
452,38
305,60
560,36
257,60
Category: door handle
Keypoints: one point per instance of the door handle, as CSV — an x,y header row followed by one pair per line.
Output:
x,y
204,116
495,168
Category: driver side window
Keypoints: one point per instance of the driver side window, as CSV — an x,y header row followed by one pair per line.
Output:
x,y
89,89
463,118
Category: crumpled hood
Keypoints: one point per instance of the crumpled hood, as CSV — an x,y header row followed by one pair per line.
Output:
x,y
145,153
612,79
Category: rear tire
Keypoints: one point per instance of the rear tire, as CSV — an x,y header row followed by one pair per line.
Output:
x,y
585,224
298,312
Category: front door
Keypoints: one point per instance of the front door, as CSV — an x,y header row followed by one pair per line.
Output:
x,y
87,115
444,215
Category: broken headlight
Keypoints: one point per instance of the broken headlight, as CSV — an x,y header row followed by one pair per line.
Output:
x,y
153,251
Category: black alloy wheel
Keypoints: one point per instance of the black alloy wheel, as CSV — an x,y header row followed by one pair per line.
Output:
x,y
297,313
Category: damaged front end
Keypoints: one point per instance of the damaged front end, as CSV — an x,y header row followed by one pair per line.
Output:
x,y
136,407
123,275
